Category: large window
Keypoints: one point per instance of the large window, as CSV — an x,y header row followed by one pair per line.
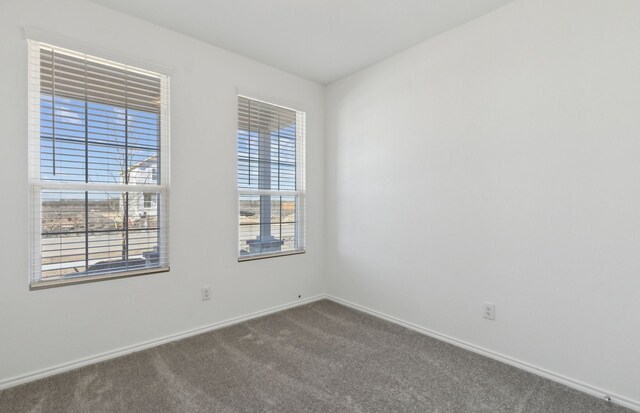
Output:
x,y
98,160
270,179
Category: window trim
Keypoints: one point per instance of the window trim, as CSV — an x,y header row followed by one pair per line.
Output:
x,y
36,40
299,193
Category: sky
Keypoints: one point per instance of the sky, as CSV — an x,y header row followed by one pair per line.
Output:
x,y
106,130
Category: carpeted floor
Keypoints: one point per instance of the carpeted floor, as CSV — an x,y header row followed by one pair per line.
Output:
x,y
321,357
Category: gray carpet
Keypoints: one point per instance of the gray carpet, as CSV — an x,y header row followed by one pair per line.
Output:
x,y
321,357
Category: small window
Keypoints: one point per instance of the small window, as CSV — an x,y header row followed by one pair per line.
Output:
x,y
271,190
147,200
96,127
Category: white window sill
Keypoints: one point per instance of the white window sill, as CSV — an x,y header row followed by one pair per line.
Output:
x,y
40,285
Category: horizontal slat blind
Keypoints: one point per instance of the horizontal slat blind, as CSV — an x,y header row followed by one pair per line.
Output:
x,y
99,166
270,178
98,81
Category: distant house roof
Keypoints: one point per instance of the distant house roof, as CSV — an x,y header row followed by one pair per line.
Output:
x,y
142,163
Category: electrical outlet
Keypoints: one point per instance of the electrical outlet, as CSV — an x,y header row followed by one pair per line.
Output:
x,y
489,311
206,293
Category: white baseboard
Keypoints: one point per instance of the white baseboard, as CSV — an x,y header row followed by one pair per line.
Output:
x,y
575,384
61,368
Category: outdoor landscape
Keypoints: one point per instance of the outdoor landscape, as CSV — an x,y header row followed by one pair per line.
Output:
x,y
66,237
283,220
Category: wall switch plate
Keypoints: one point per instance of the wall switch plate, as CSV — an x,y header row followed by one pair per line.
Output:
x,y
206,293
489,311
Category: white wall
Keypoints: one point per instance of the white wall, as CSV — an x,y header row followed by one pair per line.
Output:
x,y
40,329
500,162
497,162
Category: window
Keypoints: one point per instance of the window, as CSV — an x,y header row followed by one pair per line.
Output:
x,y
270,179
97,131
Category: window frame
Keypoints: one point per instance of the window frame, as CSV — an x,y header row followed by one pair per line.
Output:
x,y
299,193
37,186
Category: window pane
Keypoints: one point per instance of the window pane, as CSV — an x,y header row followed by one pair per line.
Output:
x,y
267,224
109,140
97,232
143,167
266,146
106,124
63,233
62,131
107,251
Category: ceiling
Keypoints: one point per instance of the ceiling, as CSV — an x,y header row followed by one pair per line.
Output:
x,y
321,40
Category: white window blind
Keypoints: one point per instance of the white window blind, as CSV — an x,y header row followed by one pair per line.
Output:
x,y
270,179
98,168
